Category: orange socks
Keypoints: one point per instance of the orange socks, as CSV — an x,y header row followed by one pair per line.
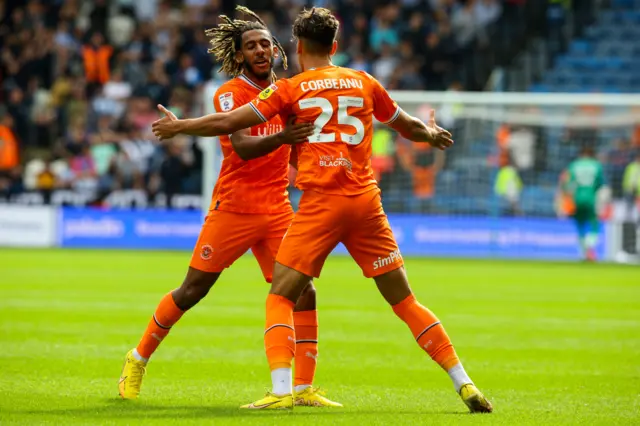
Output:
x,y
279,334
167,313
306,329
428,331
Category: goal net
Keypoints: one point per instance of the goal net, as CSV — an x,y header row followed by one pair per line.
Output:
x,y
509,154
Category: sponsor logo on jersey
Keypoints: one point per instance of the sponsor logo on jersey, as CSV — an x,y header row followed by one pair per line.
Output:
x,y
268,92
266,129
226,101
206,252
332,161
393,257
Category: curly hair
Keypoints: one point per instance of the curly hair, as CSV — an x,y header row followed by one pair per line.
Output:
x,y
226,40
317,28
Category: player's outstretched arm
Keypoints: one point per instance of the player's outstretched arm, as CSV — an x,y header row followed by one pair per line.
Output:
x,y
217,124
248,147
415,130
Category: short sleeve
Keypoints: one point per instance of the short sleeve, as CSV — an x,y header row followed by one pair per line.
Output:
x,y
272,101
228,98
385,109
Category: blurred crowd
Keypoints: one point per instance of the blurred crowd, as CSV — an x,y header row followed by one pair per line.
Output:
x,y
79,80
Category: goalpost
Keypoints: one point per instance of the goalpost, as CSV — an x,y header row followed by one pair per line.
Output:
x,y
210,147
510,150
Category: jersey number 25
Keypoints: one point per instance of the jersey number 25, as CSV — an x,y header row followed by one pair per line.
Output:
x,y
344,102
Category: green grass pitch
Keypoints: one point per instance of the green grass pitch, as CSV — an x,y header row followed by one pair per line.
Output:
x,y
548,343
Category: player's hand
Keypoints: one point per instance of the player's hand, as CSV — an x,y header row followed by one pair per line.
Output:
x,y
439,137
295,133
168,126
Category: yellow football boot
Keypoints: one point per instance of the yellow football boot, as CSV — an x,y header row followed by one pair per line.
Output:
x,y
474,399
131,378
314,397
272,402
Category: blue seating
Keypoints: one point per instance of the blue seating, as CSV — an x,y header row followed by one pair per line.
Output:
x,y
581,47
625,4
605,59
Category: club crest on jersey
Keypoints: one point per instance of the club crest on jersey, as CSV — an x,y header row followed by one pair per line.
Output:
x,y
267,92
226,101
206,252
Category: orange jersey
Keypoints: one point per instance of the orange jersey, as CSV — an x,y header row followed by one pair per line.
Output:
x,y
256,186
341,102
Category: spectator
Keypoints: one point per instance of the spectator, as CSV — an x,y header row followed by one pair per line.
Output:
x,y
46,181
359,26
423,163
116,88
382,150
407,78
355,47
125,171
508,187
416,31
145,11
436,63
187,74
76,140
616,158
99,16
382,33
19,108
487,12
157,86
360,63
635,139
103,148
83,169
96,57
61,90
384,66
521,145
465,23
199,52
174,169
111,99
631,180
9,158
63,38
10,172
41,114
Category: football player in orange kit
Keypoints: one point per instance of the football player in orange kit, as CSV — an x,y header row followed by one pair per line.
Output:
x,y
250,207
341,200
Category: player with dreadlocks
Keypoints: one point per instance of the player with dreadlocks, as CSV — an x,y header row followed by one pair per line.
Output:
x,y
341,201
249,209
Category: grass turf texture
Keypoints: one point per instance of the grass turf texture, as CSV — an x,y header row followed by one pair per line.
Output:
x,y
548,343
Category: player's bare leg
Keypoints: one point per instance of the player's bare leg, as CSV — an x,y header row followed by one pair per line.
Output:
x,y
173,305
194,288
305,320
430,335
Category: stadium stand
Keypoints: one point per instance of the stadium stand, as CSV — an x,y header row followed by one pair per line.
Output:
x,y
604,59
88,74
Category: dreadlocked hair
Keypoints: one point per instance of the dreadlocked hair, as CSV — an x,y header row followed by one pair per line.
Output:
x,y
226,40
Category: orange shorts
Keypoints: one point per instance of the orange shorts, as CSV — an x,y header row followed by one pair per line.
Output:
x,y
323,221
226,236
